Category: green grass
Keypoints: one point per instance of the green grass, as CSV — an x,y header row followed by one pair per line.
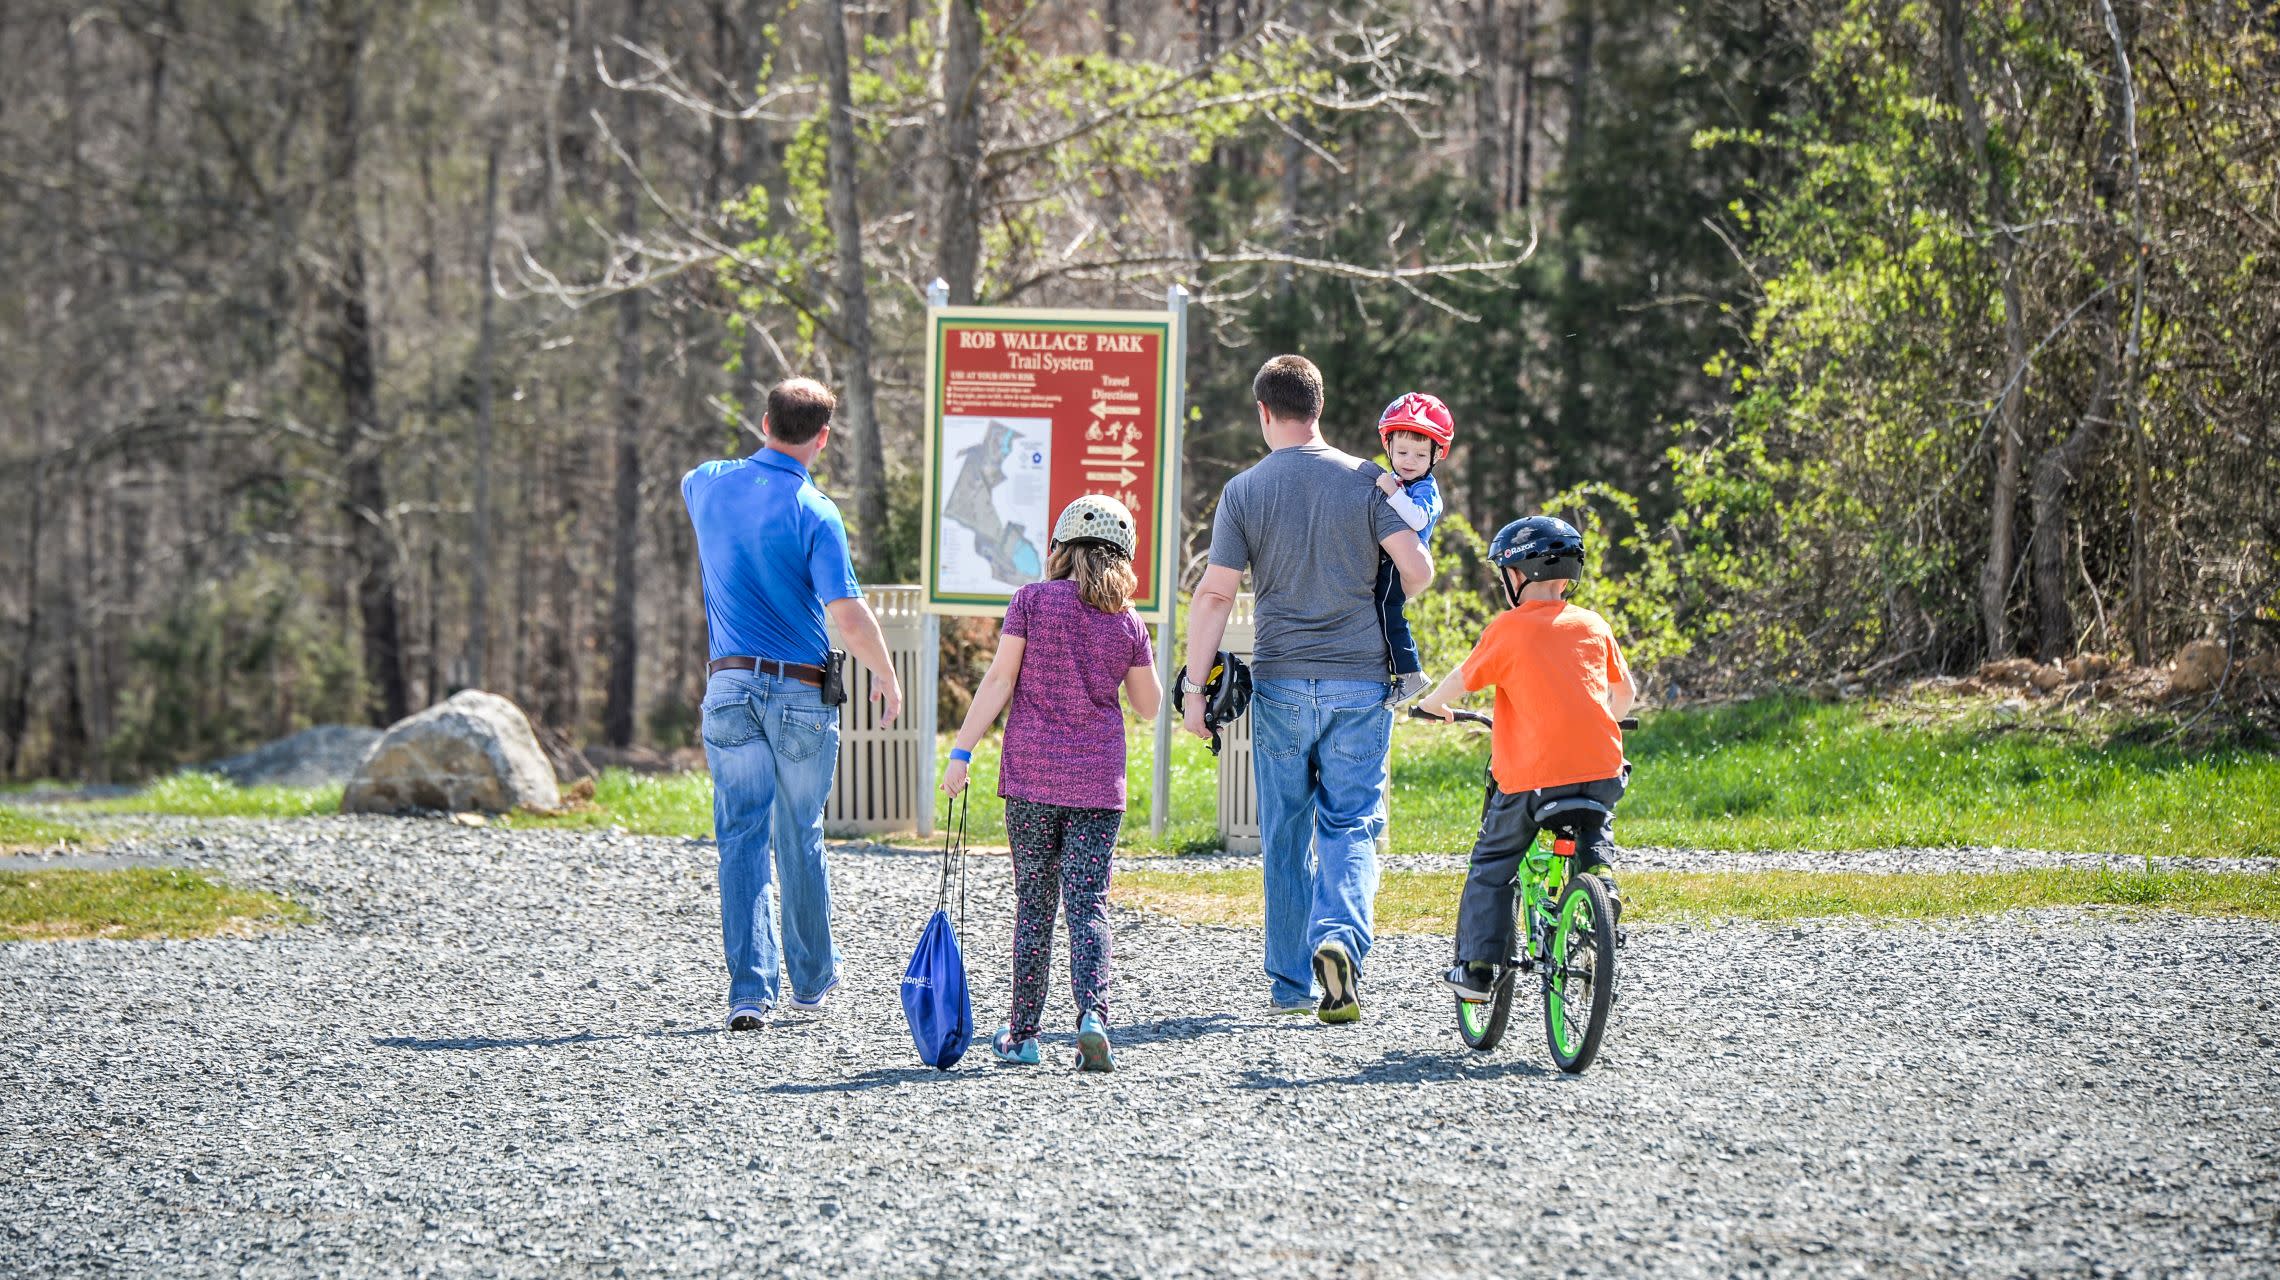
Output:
x,y
1780,773
1772,773
139,902
645,804
209,795
22,831
1425,902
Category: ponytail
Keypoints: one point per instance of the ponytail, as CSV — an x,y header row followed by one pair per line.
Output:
x,y
1104,579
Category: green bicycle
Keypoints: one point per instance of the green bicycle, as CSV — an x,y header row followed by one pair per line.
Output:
x,y
1567,937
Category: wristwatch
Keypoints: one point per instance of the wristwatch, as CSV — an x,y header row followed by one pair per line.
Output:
x,y
1189,686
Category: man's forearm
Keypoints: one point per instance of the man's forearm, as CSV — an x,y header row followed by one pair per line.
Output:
x,y
1416,577
859,627
1207,626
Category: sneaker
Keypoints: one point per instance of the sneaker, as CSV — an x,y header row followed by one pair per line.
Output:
x,y
1408,685
1606,876
1006,1049
1334,969
1278,1008
747,1015
818,1001
1093,1053
1473,980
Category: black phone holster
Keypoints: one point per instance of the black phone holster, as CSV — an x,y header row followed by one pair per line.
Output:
x,y
834,677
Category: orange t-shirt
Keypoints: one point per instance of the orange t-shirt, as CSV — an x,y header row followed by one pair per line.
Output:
x,y
1552,664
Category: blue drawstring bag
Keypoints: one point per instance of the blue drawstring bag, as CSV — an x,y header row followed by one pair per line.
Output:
x,y
934,995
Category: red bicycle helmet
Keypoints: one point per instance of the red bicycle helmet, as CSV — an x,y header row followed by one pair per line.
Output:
x,y
1423,414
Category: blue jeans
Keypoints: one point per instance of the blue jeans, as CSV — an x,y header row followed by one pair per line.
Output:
x,y
1319,758
772,746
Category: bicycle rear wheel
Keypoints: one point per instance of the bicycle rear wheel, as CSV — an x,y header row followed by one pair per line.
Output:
x,y
1579,990
1481,1023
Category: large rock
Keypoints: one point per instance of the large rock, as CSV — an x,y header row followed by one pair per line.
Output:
x,y
314,757
474,750
2199,666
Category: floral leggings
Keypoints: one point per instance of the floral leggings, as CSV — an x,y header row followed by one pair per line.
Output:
x,y
1066,853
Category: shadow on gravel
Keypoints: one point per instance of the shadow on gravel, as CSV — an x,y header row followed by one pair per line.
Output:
x,y
883,1077
529,1042
1166,1029
1406,1066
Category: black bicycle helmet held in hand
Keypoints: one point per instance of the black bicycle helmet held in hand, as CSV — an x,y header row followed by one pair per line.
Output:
x,y
1226,694
1541,548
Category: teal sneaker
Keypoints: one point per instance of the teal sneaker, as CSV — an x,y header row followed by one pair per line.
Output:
x,y
1093,1053
1006,1049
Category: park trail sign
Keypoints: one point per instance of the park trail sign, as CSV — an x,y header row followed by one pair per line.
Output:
x,y
1027,410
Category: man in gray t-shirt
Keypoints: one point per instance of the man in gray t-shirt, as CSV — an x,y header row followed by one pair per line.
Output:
x,y
1308,522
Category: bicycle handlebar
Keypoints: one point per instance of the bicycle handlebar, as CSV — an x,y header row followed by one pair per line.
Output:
x,y
1475,717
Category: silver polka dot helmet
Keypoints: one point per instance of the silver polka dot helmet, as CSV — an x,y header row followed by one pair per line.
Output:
x,y
1099,518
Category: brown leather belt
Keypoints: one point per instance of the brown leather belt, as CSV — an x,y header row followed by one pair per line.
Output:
x,y
799,671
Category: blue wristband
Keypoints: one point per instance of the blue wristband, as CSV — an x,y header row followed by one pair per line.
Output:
x,y
960,753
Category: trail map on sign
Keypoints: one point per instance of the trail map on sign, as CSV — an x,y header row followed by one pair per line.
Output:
x,y
997,495
1026,412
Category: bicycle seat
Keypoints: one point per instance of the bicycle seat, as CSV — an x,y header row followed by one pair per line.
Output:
x,y
1567,810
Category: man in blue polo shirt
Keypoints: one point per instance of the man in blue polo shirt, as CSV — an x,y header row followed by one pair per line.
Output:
x,y
774,555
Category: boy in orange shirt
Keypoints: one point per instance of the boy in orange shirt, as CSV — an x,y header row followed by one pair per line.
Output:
x,y
1561,686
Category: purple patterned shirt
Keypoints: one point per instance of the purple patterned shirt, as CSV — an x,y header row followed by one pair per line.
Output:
x,y
1064,733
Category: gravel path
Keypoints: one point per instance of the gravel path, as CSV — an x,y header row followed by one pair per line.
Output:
x,y
498,1055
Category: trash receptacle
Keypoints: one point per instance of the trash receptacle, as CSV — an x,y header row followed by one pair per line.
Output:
x,y
885,780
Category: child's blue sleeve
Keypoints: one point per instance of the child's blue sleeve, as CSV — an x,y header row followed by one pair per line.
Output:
x,y
1425,491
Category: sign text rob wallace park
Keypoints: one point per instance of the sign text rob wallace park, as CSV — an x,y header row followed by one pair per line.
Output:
x,y
1027,410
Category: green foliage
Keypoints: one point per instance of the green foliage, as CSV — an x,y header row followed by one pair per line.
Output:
x,y
233,662
1839,511
135,902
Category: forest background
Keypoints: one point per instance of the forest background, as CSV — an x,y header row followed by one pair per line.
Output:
x,y
353,351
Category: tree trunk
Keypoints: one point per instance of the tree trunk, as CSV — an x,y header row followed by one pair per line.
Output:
x,y
1574,400
957,225
1488,127
343,290
1996,571
2061,464
1529,106
18,716
486,348
2133,371
859,406
625,633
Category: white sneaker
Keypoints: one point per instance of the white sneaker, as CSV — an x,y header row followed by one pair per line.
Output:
x,y
815,1004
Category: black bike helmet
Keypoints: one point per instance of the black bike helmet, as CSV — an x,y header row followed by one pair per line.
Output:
x,y
1226,694
1541,548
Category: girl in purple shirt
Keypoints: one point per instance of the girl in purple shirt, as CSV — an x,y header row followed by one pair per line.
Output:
x,y
1067,645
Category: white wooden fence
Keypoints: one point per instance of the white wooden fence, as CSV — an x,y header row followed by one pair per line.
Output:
x,y
886,772
1238,786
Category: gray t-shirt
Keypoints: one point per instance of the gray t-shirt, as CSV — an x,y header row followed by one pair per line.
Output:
x,y
1306,521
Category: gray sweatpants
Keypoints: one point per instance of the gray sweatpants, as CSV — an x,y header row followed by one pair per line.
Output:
x,y
1484,914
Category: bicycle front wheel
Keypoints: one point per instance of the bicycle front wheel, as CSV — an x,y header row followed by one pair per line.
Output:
x,y
1579,990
